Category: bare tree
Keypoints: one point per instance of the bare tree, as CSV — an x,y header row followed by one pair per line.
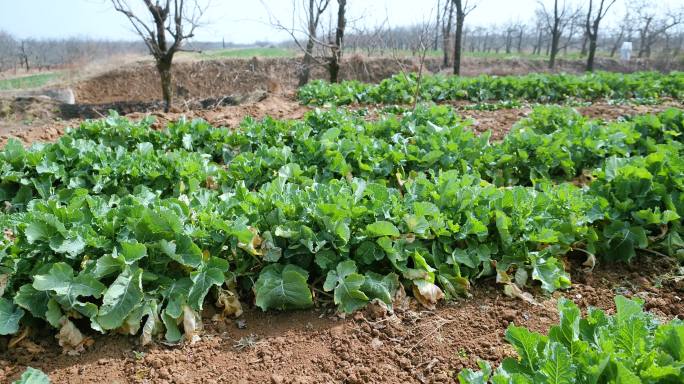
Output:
x,y
314,10
447,22
556,21
651,26
462,10
168,17
592,28
337,47
625,27
23,55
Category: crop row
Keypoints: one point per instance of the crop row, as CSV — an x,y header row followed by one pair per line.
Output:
x,y
131,229
543,88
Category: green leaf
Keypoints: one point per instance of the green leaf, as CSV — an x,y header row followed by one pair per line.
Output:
x,y
468,376
568,330
33,300
72,246
132,252
626,308
382,228
550,272
54,313
33,376
376,286
670,338
558,368
202,281
121,297
346,284
60,279
282,287
369,252
529,346
625,376
183,250
10,315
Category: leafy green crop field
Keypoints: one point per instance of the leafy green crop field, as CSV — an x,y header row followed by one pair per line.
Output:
x,y
31,81
542,88
132,228
631,346
121,228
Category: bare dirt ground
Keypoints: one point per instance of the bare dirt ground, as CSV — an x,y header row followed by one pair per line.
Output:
x,y
34,119
411,346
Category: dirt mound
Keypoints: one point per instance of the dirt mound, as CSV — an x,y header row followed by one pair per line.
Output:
x,y
217,78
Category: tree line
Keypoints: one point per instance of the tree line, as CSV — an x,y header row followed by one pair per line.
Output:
x,y
167,26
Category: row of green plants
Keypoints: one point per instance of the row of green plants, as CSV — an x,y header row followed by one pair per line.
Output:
x,y
631,346
406,88
119,227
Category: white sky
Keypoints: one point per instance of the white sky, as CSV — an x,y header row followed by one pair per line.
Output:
x,y
245,21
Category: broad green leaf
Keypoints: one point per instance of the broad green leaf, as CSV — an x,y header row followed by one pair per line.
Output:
x,y
121,297
33,300
376,286
33,376
202,281
183,250
10,315
132,252
382,228
529,346
346,284
558,368
68,287
282,287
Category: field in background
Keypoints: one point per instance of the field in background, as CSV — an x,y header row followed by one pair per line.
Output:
x,y
22,81
31,81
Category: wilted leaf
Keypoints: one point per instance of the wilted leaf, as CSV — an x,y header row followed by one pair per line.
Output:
x,y
427,294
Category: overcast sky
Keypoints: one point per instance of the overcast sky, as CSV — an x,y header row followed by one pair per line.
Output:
x,y
244,21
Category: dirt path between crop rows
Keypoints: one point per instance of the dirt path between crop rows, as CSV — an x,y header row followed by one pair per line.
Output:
x,y
413,346
284,106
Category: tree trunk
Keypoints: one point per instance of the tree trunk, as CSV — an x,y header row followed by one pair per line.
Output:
x,y
585,39
447,33
617,43
509,41
555,37
164,69
520,39
537,48
592,53
308,53
334,66
460,18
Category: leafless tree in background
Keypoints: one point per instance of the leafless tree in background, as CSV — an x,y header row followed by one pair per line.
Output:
x,y
463,8
447,22
592,27
556,21
178,19
337,47
650,26
330,41
315,9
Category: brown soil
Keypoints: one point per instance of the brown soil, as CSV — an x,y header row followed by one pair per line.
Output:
x,y
413,345
35,120
502,120
215,78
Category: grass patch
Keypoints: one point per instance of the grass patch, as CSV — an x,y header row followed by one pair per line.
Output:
x,y
247,53
31,81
